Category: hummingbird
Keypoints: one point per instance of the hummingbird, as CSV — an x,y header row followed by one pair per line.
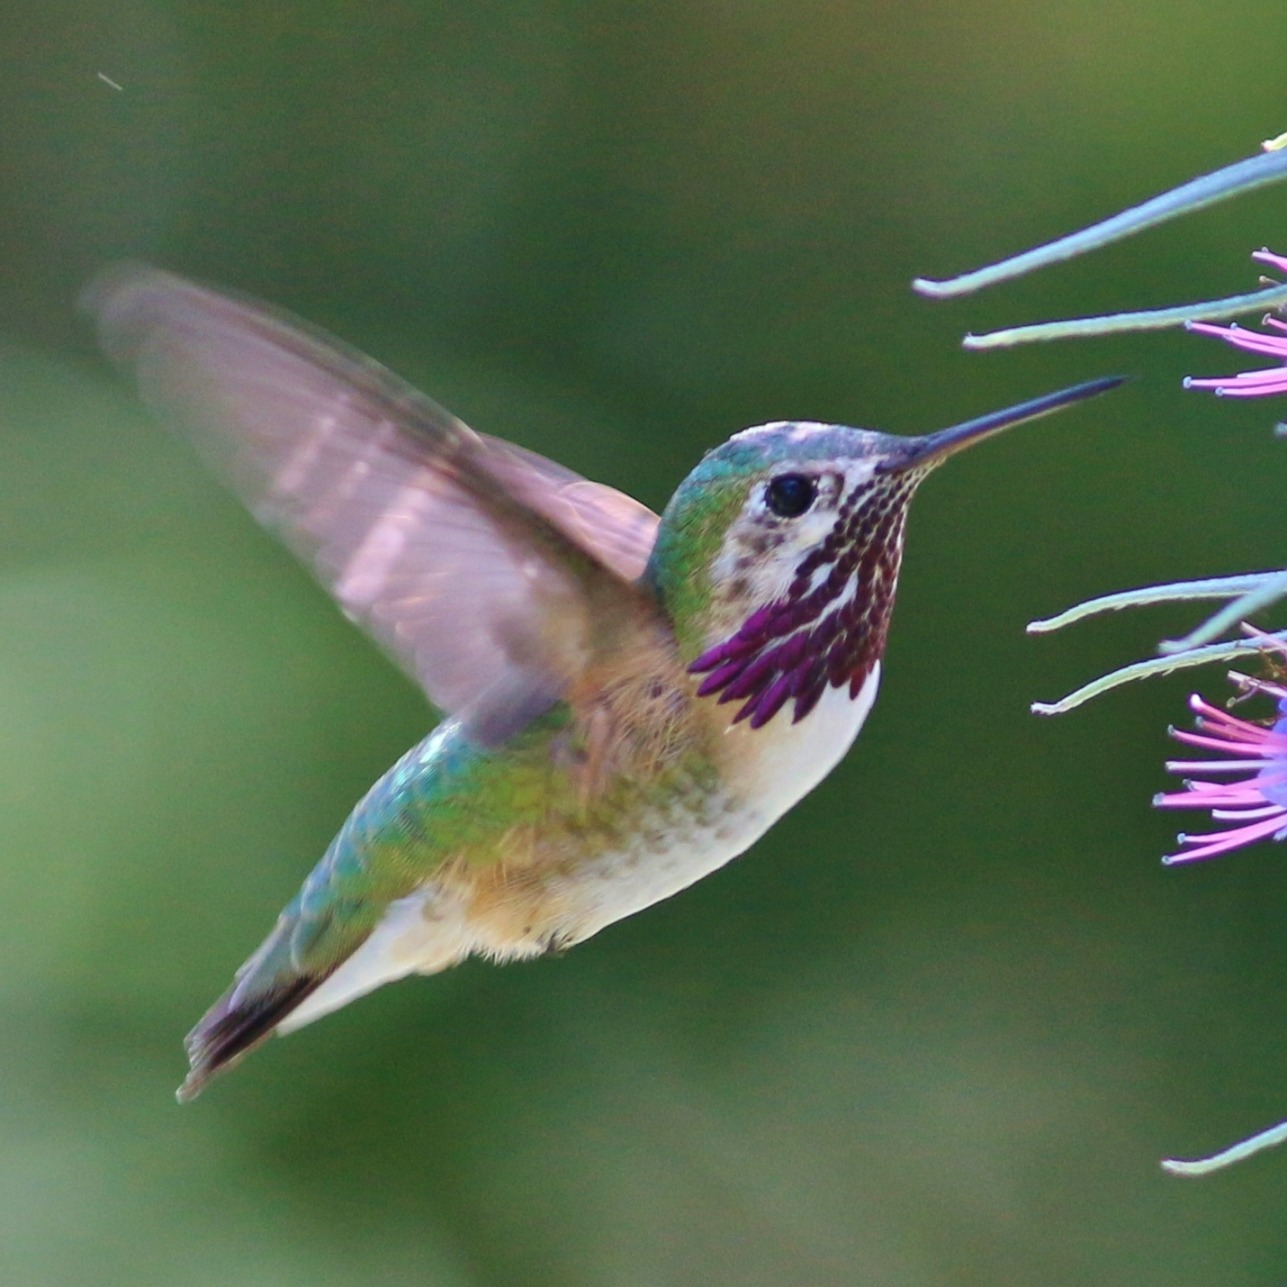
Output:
x,y
630,700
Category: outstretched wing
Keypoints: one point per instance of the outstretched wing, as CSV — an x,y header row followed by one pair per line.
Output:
x,y
492,575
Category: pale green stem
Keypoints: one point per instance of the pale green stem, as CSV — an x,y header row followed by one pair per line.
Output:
x,y
1239,610
1155,666
1226,1157
1156,319
1243,176
1221,587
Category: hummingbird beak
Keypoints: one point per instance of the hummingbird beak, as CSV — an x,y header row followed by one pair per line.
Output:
x,y
932,449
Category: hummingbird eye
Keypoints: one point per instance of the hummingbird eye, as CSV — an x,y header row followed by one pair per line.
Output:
x,y
790,495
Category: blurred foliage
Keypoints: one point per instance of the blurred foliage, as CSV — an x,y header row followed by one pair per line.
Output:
x,y
938,1027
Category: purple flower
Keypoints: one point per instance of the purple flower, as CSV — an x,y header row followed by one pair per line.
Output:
x,y
1256,804
1249,384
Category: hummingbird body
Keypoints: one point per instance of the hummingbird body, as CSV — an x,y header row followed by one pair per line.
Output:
x,y
584,857
631,700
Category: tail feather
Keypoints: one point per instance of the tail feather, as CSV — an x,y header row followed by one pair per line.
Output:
x,y
234,1026
267,988
353,944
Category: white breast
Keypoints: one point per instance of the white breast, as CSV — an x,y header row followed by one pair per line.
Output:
x,y
792,761
796,758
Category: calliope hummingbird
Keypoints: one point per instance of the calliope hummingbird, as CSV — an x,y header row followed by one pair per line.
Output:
x,y
630,700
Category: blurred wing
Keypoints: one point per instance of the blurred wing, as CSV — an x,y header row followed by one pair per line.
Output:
x,y
492,575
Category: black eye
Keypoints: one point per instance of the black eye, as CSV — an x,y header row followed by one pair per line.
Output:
x,y
789,495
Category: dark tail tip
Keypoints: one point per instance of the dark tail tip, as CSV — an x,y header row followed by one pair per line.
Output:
x,y
233,1027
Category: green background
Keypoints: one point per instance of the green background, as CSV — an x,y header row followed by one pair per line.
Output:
x,y
939,1026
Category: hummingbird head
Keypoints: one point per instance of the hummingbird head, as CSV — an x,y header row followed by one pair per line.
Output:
x,y
778,556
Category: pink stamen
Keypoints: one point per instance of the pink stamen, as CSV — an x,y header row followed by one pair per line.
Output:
x,y
1219,842
1240,338
1247,384
1218,715
1229,727
1241,815
1271,343
1223,740
1253,803
1206,795
1213,766
1267,256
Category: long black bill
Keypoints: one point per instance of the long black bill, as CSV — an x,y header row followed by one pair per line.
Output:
x,y
931,449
